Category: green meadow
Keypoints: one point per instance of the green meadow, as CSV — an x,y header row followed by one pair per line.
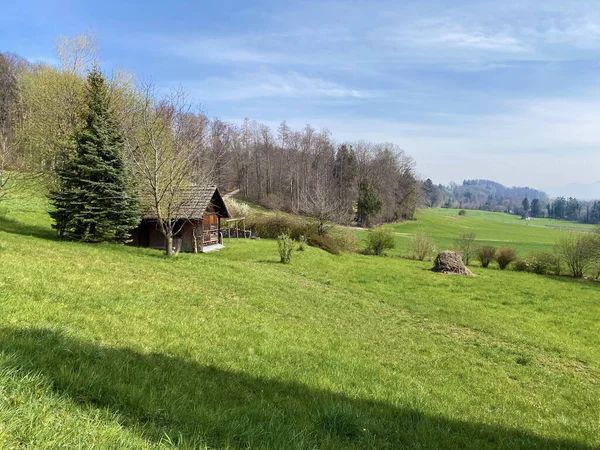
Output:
x,y
496,229
105,346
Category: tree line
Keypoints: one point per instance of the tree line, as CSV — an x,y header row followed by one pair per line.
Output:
x,y
574,210
168,143
482,194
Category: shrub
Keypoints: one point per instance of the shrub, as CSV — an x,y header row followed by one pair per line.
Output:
x,y
423,246
271,226
380,240
579,251
324,242
505,256
544,263
345,238
302,243
467,246
485,255
521,265
286,246
236,208
462,212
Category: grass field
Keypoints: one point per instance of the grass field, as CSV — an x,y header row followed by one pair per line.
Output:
x,y
105,346
496,229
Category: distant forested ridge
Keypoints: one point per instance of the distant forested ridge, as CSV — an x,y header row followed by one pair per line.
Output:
x,y
488,195
492,196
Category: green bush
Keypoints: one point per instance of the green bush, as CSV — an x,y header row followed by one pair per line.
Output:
x,y
462,212
345,238
302,243
544,263
285,245
380,240
236,208
505,256
521,265
486,254
324,242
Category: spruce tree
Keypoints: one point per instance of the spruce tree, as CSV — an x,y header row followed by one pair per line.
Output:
x,y
94,199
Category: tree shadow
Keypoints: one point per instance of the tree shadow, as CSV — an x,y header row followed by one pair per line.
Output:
x,y
16,227
194,405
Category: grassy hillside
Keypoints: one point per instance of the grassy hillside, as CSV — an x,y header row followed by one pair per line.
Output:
x,y
106,346
497,229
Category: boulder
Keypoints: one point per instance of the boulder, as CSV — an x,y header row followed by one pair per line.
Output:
x,y
450,262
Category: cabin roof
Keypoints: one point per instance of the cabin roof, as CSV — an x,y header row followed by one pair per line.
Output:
x,y
194,202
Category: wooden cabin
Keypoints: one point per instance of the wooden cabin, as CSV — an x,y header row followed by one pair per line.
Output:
x,y
200,211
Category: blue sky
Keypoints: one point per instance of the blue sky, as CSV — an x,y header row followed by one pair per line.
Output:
x,y
506,90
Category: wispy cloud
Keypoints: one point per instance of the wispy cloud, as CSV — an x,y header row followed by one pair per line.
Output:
x,y
531,142
265,84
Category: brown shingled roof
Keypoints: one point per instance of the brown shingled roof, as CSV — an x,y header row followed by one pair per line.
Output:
x,y
193,203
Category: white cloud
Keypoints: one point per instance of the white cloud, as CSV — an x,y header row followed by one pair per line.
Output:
x,y
266,84
367,35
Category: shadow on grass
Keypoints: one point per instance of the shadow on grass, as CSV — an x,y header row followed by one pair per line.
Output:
x,y
15,227
194,405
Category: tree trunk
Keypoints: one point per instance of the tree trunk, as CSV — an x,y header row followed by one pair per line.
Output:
x,y
169,248
195,236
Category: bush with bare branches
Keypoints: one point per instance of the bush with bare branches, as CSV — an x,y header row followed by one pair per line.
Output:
x,y
467,246
579,251
505,256
486,254
423,246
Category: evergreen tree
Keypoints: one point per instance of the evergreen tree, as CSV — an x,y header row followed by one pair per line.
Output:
x,y
559,208
344,173
525,205
369,204
536,207
94,199
428,190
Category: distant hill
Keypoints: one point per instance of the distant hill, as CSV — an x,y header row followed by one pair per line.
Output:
x,y
489,195
581,191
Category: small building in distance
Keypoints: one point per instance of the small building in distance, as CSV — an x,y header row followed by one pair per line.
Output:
x,y
198,221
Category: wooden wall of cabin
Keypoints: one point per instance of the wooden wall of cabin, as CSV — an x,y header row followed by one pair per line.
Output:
x,y
148,235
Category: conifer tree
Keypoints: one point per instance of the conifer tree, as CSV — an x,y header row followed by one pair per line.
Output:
x,y
94,199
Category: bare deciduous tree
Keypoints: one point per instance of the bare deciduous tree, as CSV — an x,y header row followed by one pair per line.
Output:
x,y
167,148
77,54
579,251
322,204
467,246
423,246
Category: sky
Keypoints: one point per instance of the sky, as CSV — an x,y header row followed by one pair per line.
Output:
x,y
504,90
